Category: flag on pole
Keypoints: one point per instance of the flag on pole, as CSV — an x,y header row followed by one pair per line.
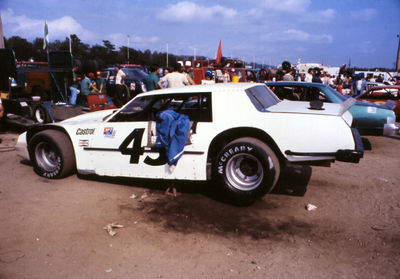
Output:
x,y
46,36
219,53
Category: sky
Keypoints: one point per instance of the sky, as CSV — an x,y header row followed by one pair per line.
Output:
x,y
333,32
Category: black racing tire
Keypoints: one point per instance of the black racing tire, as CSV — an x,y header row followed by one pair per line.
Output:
x,y
40,114
52,154
246,169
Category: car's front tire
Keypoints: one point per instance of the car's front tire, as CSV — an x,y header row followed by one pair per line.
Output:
x,y
52,154
246,169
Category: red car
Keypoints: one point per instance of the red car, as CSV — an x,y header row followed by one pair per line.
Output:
x,y
382,95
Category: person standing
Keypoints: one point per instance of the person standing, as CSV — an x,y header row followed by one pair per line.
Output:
x,y
101,87
359,85
119,86
176,78
208,78
86,85
165,83
309,75
93,85
288,76
152,79
74,87
316,76
225,76
119,75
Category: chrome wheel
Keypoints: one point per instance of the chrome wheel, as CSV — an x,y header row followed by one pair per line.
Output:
x,y
47,157
244,171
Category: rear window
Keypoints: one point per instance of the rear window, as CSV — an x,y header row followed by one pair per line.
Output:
x,y
262,97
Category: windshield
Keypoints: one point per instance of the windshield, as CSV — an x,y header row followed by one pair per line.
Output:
x,y
262,97
134,73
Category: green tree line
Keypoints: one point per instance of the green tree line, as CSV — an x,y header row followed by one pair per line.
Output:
x,y
88,58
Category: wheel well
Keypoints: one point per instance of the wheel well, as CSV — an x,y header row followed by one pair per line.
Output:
x,y
229,135
36,129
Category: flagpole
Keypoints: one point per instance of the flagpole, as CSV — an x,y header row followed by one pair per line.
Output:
x,y
46,38
1,35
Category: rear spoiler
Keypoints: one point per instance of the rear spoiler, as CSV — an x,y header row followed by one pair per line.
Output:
x,y
346,105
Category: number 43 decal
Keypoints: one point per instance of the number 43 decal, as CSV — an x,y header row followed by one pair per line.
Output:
x,y
137,150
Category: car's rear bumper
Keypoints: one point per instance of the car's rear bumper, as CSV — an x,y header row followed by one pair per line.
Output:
x,y
390,129
344,155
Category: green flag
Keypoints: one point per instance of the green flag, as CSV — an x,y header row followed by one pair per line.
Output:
x,y
46,36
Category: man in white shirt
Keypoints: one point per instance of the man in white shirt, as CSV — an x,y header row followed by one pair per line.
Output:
x,y
176,78
119,75
309,76
120,94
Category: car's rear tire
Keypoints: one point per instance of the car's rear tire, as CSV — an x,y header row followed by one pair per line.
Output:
x,y
52,154
246,169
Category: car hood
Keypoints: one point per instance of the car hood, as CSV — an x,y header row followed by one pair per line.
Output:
x,y
90,117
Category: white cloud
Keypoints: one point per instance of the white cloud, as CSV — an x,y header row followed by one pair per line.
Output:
x,y
188,12
296,35
365,14
120,39
60,28
323,16
290,6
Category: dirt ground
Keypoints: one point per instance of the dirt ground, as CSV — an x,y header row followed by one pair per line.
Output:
x,y
54,228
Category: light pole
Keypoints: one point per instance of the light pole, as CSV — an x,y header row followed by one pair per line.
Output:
x,y
128,47
167,55
398,55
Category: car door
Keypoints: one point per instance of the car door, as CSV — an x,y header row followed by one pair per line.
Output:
x,y
125,145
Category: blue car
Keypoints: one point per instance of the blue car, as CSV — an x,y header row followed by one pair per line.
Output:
x,y
368,118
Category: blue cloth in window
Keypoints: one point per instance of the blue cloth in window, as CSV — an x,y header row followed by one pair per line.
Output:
x,y
172,130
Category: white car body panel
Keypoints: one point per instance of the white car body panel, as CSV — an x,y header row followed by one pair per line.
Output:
x,y
292,126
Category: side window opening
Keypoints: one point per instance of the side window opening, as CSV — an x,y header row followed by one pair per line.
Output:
x,y
197,106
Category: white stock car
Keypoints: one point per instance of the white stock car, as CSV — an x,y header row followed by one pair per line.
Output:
x,y
241,135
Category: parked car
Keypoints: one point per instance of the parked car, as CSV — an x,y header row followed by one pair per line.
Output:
x,y
368,118
241,144
134,81
383,94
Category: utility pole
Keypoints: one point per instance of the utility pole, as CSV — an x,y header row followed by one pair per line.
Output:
x,y
167,55
398,55
1,35
128,47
